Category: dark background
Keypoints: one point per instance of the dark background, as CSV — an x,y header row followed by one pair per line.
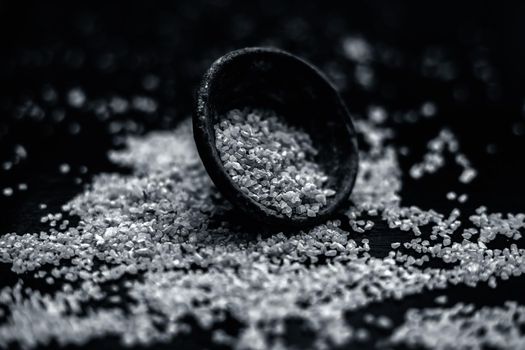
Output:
x,y
111,48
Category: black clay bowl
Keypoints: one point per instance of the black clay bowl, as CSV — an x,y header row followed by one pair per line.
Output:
x,y
273,79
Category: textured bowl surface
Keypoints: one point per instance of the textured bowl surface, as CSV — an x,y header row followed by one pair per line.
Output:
x,y
273,79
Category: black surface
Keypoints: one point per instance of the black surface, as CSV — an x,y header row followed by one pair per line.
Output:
x,y
107,48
